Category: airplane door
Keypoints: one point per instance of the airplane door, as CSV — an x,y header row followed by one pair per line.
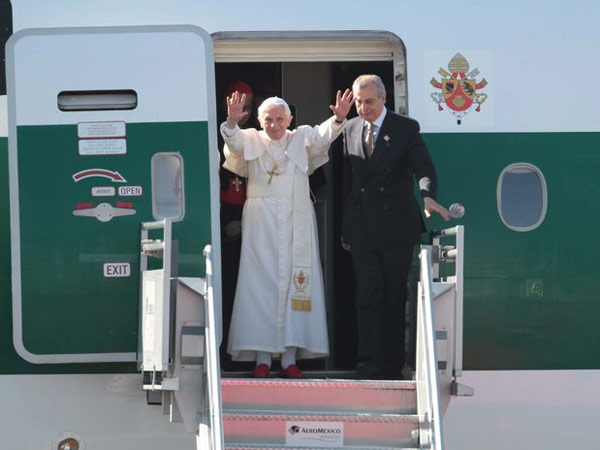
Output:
x,y
108,127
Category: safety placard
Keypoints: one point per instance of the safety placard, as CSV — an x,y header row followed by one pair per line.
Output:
x,y
100,129
93,147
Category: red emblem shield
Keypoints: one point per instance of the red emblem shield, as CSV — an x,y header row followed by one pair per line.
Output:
x,y
458,94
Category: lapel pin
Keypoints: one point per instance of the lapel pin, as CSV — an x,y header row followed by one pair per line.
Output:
x,y
386,138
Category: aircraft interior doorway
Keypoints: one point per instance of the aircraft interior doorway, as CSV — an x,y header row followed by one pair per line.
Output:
x,y
307,74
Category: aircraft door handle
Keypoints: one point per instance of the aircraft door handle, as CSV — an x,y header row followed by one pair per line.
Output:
x,y
104,212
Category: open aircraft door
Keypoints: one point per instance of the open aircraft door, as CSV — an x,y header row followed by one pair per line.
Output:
x,y
108,128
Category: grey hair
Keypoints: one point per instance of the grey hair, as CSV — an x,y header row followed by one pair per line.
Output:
x,y
273,101
364,80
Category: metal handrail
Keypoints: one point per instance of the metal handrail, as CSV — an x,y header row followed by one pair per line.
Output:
x,y
458,279
213,369
428,377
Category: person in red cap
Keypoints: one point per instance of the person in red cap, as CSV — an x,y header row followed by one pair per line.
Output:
x,y
233,187
233,197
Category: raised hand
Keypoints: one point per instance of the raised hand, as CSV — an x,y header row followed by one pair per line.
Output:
x,y
235,109
343,103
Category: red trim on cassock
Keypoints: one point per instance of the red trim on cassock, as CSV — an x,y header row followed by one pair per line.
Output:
x,y
233,197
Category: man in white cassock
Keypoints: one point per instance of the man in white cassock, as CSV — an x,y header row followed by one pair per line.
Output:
x,y
279,305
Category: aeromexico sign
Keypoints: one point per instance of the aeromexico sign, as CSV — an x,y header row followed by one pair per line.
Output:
x,y
314,434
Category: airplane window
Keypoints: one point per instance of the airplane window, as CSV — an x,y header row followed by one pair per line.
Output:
x,y
167,186
97,100
522,197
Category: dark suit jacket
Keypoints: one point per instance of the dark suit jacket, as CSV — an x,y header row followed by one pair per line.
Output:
x,y
381,209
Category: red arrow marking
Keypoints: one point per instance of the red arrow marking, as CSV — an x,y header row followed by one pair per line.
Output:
x,y
114,176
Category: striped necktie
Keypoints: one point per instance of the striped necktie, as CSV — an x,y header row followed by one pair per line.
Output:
x,y
369,139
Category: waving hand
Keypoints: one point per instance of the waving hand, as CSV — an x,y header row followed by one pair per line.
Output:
x,y
235,109
343,103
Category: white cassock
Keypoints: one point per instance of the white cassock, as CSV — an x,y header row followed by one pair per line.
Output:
x,y
279,298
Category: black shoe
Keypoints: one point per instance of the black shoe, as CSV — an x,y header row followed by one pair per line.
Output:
x,y
398,372
394,375
392,369
367,370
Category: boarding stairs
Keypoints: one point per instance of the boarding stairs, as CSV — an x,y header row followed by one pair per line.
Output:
x,y
360,414
334,411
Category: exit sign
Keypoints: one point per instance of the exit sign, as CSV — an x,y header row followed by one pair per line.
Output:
x,y
117,270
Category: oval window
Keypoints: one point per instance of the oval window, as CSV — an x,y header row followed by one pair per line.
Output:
x,y
522,197
167,186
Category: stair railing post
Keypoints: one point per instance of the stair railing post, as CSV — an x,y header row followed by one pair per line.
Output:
x,y
428,393
213,365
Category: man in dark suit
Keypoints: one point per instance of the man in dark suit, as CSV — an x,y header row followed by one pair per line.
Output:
x,y
382,221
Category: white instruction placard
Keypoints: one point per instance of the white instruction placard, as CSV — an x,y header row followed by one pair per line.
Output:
x,y
100,129
93,147
103,191
314,434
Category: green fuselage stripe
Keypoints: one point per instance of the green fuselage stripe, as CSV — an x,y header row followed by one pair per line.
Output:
x,y
531,299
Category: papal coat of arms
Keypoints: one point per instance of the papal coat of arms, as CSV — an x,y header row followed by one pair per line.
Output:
x,y
301,281
459,88
300,291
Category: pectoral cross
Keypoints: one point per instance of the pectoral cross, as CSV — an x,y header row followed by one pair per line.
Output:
x,y
236,184
272,172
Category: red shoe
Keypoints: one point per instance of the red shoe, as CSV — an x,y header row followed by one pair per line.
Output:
x,y
292,371
261,371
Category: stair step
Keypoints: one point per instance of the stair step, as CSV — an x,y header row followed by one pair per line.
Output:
x,y
342,430
311,374
390,397
288,447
